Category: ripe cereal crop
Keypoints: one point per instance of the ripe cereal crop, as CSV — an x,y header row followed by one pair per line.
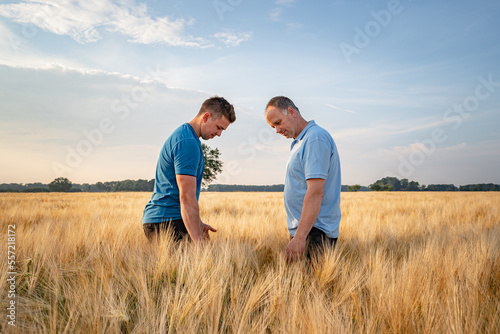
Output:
x,y
405,262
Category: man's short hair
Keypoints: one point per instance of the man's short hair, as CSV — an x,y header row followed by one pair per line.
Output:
x,y
282,102
218,107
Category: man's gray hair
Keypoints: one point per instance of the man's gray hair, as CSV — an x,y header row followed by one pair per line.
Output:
x,y
282,102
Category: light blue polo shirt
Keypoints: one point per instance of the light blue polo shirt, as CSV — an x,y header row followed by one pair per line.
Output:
x,y
181,154
313,154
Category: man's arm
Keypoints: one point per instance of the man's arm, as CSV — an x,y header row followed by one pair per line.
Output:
x,y
310,212
190,211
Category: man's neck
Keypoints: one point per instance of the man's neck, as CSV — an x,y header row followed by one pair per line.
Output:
x,y
196,125
301,126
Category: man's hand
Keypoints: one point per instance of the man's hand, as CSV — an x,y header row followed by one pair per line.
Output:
x,y
310,211
205,228
295,249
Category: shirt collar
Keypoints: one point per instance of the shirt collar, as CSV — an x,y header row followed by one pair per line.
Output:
x,y
303,132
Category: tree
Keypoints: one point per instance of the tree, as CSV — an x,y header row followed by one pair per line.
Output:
x,y
413,186
354,188
61,184
387,184
103,186
381,187
213,165
441,187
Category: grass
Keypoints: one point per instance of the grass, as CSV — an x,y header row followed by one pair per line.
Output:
x,y
404,263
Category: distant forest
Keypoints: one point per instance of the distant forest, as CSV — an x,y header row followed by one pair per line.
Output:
x,y
112,186
385,184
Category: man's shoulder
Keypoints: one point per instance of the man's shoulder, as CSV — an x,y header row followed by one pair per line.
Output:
x,y
180,139
182,133
316,132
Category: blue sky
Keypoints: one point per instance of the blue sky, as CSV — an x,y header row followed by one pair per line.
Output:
x,y
90,90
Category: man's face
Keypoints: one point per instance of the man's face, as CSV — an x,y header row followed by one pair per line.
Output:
x,y
211,128
284,124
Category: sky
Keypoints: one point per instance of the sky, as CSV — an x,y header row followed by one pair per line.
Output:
x,y
90,90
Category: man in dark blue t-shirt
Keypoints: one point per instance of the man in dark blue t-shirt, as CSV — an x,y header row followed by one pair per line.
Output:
x,y
179,173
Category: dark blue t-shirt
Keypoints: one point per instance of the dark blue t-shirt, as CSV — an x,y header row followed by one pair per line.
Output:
x,y
181,154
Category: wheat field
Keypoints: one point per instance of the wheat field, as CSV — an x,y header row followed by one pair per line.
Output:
x,y
404,263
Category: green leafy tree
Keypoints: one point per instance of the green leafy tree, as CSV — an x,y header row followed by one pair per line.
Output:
x,y
404,184
213,166
413,186
61,184
381,187
354,188
103,186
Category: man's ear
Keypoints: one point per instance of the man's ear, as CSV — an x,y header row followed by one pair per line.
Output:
x,y
291,111
206,116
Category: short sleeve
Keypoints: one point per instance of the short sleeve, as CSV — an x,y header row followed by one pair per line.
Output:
x,y
316,159
187,157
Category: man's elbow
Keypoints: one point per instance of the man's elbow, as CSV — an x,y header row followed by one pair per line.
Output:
x,y
316,194
186,200
319,194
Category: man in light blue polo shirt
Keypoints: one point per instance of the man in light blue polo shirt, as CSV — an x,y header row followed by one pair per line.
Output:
x,y
179,172
312,183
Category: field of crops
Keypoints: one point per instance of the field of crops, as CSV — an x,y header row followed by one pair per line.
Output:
x,y
406,262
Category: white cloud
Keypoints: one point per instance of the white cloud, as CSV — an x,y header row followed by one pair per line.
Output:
x,y
81,21
12,43
341,109
233,39
49,113
275,14
4,36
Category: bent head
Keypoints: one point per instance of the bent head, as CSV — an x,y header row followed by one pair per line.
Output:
x,y
284,116
216,115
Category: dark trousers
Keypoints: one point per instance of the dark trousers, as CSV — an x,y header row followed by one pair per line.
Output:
x,y
317,241
176,227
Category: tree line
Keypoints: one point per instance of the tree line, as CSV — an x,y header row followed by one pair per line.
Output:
x,y
385,184
395,184
64,185
213,166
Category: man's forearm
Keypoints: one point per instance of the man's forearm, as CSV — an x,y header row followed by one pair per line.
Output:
x,y
310,212
190,213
